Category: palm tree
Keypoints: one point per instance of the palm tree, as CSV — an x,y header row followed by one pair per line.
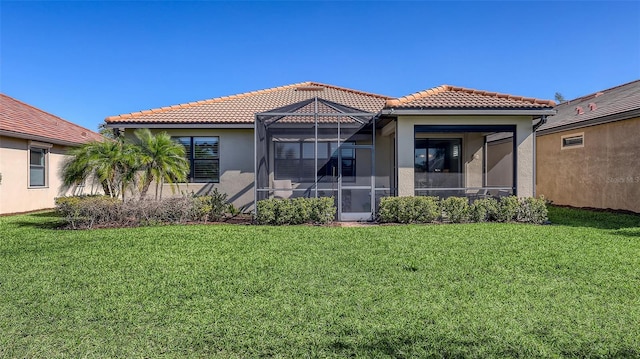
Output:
x,y
113,162
161,160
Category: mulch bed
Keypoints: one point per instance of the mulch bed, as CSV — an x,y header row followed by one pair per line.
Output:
x,y
605,210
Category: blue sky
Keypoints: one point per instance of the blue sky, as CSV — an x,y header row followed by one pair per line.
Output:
x,y
84,61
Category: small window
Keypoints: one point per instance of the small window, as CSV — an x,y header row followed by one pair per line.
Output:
x,y
573,141
203,154
38,167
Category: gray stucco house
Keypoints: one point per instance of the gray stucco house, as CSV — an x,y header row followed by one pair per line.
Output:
x,y
312,139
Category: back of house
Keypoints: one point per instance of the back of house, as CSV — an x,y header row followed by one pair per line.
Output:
x,y
316,140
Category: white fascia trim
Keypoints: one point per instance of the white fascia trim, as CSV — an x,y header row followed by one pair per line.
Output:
x,y
416,112
179,125
24,136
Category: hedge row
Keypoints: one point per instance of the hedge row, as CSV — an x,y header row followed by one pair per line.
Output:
x,y
84,212
102,211
458,210
295,211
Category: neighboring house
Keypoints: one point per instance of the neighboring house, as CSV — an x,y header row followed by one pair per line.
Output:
x,y
32,149
312,139
588,154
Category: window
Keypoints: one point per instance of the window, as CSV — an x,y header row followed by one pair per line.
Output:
x,y
203,154
575,140
295,161
38,167
438,163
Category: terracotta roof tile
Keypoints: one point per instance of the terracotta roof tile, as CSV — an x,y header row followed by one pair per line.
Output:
x,y
454,97
241,108
19,118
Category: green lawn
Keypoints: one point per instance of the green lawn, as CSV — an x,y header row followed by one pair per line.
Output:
x,y
571,289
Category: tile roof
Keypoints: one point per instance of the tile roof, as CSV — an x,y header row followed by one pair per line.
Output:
x,y
452,97
25,121
240,109
599,106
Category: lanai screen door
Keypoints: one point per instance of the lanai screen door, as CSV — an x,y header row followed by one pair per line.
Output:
x,y
317,148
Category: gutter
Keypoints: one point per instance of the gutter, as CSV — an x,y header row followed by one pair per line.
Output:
x,y
543,120
495,112
25,136
178,125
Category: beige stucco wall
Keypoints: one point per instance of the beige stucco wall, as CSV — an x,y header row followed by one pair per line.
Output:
x,y
15,194
385,162
500,163
472,148
473,158
605,173
236,165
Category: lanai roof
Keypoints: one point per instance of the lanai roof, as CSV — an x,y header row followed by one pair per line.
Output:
x,y
18,119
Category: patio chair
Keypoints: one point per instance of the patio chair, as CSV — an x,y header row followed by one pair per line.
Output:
x,y
474,194
503,193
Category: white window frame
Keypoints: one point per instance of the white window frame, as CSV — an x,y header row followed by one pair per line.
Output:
x,y
565,147
46,147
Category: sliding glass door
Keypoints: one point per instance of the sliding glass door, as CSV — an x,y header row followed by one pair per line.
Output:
x,y
438,165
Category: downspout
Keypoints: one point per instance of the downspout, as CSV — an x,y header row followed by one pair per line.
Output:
x,y
543,120
255,165
315,144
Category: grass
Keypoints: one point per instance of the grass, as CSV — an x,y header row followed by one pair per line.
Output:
x,y
571,289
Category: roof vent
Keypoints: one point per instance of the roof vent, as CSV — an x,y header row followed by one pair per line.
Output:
x,y
579,110
592,106
83,134
310,88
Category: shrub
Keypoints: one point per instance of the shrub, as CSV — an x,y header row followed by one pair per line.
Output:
x,y
508,209
212,206
286,212
418,209
388,209
483,210
87,211
91,211
533,210
427,209
219,205
266,211
233,210
295,211
323,210
455,209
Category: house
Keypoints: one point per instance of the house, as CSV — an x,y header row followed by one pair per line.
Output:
x,y
312,139
588,154
32,149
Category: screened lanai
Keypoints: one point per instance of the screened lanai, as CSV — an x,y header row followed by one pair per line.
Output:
x,y
319,148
